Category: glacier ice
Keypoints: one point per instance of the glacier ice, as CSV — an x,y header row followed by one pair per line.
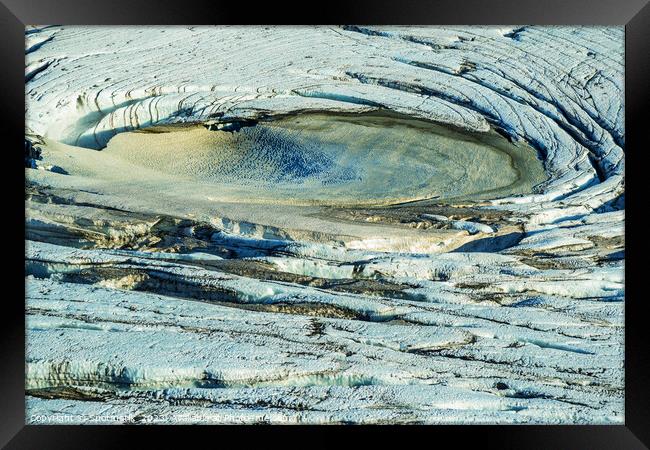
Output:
x,y
179,272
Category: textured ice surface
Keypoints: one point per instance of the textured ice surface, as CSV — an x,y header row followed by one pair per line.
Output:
x,y
167,283
340,160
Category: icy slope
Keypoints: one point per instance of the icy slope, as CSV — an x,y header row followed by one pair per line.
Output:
x,y
559,89
166,284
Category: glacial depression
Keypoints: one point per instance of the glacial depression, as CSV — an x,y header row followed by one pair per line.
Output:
x,y
324,224
333,160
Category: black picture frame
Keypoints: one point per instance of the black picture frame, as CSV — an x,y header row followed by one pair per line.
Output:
x,y
633,14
